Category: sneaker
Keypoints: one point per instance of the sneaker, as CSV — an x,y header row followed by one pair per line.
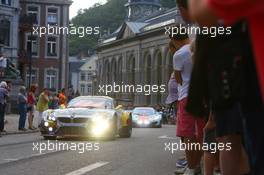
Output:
x,y
189,171
180,170
181,163
22,129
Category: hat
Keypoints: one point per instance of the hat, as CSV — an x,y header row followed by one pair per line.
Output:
x,y
3,84
173,91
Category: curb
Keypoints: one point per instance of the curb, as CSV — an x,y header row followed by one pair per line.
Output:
x,y
19,132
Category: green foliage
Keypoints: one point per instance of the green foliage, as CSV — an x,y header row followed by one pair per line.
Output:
x,y
108,17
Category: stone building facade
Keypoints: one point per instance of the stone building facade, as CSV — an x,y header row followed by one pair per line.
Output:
x,y
9,21
138,54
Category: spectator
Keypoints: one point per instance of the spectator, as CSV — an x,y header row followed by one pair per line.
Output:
x,y
207,13
3,64
42,103
189,128
251,108
70,93
22,106
62,98
31,98
55,102
3,97
77,93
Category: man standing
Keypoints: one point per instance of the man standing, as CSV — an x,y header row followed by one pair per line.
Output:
x,y
3,98
189,128
42,104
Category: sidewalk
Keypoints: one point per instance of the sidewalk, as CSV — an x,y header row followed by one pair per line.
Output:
x,y
11,126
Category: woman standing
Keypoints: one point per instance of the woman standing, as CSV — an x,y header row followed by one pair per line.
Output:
x,y
31,106
22,105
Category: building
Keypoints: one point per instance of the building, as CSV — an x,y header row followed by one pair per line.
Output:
x,y
137,53
46,56
9,21
75,63
87,80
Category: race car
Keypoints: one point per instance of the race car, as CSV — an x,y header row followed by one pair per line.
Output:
x,y
87,116
146,117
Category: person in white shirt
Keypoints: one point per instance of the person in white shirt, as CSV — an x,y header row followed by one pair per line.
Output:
x,y
189,127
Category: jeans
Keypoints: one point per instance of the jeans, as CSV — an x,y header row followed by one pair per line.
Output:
x,y
2,117
22,115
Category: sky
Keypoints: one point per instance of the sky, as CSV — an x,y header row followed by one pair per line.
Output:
x,y
82,4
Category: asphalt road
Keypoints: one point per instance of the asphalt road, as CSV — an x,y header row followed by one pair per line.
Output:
x,y
145,153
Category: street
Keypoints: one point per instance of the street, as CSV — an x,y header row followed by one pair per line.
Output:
x,y
142,154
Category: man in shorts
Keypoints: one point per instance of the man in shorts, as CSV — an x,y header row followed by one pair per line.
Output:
x,y
189,128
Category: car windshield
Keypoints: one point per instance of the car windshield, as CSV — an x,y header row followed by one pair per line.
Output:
x,y
144,111
98,103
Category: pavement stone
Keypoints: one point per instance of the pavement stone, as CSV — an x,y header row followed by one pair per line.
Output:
x,y
11,125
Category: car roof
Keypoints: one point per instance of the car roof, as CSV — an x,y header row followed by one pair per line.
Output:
x,y
145,108
103,97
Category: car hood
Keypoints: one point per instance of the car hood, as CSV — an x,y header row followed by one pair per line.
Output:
x,y
81,112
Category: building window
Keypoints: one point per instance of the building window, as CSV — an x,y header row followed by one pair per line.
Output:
x,y
32,45
52,18
34,12
52,46
82,89
6,2
34,76
89,76
4,32
51,79
83,76
89,89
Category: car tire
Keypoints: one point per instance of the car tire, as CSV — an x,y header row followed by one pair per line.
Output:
x,y
49,137
160,125
125,132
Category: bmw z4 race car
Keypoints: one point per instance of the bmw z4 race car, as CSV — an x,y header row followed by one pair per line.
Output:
x,y
87,116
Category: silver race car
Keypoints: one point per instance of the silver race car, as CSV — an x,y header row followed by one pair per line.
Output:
x,y
87,116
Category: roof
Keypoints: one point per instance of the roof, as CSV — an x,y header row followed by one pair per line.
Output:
x,y
136,26
157,20
90,64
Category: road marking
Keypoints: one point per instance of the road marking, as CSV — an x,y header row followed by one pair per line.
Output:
x,y
8,160
87,168
166,137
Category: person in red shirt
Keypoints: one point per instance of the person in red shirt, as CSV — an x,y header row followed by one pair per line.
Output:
x,y
207,13
62,98
31,99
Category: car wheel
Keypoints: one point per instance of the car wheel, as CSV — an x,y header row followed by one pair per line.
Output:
x,y
49,137
160,125
125,132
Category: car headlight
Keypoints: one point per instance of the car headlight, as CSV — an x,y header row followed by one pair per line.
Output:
x,y
51,117
100,125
